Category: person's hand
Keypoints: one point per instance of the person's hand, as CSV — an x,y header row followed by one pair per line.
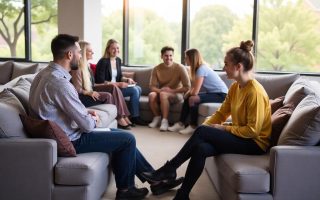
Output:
x,y
95,116
122,84
167,89
95,95
186,95
131,81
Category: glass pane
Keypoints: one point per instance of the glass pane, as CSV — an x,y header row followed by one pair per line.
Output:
x,y
12,38
289,36
112,22
43,28
217,25
152,25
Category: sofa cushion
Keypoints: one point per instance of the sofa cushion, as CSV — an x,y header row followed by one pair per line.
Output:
x,y
80,170
279,119
303,127
297,91
21,91
106,112
276,103
6,72
37,128
207,109
10,108
282,83
21,69
245,173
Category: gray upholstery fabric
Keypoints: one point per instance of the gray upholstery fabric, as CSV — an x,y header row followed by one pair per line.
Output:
x,y
297,91
303,127
80,170
142,77
20,69
245,173
283,82
5,72
106,112
10,124
21,91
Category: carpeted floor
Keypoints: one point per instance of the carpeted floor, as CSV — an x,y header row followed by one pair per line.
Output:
x,y
158,147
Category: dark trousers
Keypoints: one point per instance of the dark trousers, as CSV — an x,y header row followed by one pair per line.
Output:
x,y
127,161
205,142
193,110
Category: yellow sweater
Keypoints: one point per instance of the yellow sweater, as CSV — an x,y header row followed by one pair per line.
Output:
x,y
250,110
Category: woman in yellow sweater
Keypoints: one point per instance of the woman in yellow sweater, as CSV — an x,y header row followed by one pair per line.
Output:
x,y
248,104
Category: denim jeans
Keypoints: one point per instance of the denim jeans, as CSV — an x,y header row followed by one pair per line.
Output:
x,y
193,111
127,161
205,142
134,93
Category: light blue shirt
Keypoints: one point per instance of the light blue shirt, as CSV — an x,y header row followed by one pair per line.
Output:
x,y
212,83
53,97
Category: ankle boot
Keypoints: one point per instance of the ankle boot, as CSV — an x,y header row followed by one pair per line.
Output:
x,y
165,173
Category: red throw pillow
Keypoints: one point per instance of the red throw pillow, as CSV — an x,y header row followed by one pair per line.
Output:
x,y
279,119
276,103
93,68
37,128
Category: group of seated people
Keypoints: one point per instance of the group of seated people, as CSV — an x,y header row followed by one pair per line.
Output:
x,y
170,83
53,97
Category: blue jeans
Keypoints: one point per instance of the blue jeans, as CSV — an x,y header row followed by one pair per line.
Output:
x,y
134,93
205,142
127,161
193,111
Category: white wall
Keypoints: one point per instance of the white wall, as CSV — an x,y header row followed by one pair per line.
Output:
x,y
82,18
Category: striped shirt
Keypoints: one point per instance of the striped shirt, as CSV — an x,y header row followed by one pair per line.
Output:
x,y
53,97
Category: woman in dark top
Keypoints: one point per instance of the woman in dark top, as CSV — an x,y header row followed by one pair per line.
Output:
x,y
108,71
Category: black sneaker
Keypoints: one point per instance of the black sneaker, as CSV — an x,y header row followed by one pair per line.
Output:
x,y
164,187
132,194
138,121
163,174
181,196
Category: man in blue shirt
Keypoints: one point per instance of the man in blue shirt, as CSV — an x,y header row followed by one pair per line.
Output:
x,y
53,97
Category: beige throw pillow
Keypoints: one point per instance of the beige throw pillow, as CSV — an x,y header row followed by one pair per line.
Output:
x,y
303,127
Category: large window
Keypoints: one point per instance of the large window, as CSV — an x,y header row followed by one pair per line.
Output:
x,y
112,21
217,25
12,44
152,25
289,36
43,28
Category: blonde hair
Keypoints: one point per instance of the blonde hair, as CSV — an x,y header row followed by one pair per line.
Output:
x,y
195,60
86,76
109,43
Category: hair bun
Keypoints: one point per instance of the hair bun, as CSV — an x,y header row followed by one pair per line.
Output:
x,y
246,45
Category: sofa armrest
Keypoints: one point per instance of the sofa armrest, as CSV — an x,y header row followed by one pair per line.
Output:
x,y
295,172
26,169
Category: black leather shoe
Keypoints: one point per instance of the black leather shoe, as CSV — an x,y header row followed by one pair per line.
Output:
x,y
138,121
181,196
163,174
124,127
164,187
132,194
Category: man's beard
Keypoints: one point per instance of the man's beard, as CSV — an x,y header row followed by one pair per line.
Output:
x,y
74,64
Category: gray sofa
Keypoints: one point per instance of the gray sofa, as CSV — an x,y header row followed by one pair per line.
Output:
x,y
31,169
286,172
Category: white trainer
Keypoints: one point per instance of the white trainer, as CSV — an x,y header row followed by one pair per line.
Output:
x,y
155,122
176,127
188,130
164,125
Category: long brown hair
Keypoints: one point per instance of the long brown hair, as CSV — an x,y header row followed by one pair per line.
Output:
x,y
109,43
195,60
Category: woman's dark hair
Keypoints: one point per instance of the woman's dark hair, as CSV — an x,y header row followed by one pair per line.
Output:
x,y
61,44
242,55
166,48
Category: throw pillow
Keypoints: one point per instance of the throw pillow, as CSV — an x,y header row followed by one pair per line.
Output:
x,y
297,91
303,127
276,103
10,108
21,91
37,128
21,69
278,120
6,72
